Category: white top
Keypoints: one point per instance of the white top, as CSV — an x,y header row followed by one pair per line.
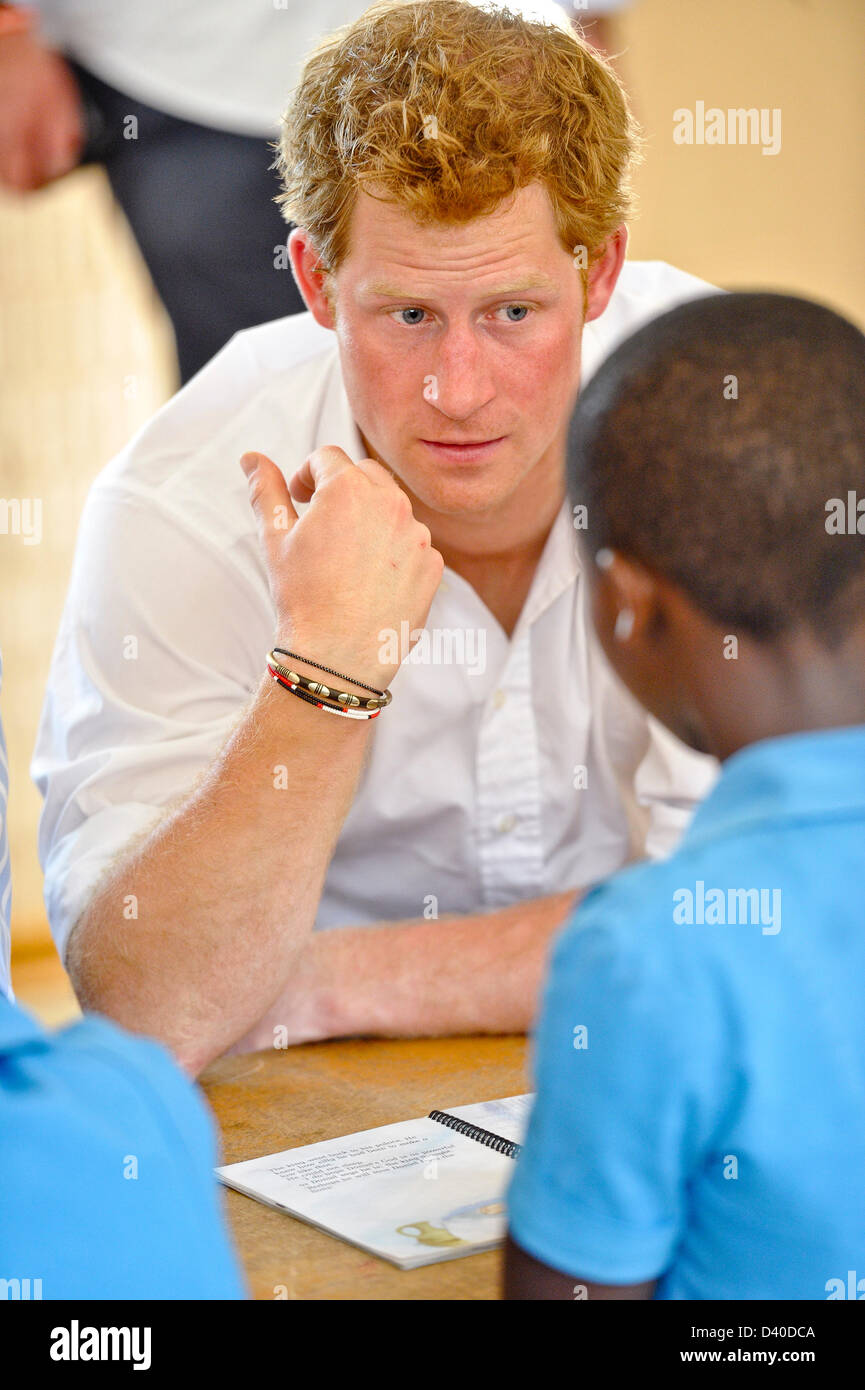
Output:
x,y
229,64
468,794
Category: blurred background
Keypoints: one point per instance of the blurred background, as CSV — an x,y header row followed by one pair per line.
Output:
x,y
88,352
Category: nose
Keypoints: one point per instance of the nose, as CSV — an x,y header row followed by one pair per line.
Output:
x,y
459,381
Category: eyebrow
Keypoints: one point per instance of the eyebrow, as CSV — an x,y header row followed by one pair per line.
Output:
x,y
526,282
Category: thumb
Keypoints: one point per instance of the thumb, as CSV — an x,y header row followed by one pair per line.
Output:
x,y
269,497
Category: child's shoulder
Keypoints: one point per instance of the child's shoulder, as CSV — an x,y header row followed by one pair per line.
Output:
x,y
642,915
640,897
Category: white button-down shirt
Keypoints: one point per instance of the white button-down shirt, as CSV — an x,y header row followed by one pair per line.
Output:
x,y
505,769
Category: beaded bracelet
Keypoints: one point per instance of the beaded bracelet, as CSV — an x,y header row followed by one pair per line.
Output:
x,y
381,698
294,689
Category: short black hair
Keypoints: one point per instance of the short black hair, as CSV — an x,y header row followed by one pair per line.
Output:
x,y
708,445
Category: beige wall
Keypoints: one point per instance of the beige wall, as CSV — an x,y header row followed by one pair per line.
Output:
x,y
793,221
86,351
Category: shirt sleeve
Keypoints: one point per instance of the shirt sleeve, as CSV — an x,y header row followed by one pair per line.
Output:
x,y
159,644
623,1108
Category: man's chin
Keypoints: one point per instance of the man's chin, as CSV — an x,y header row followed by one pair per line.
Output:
x,y
454,497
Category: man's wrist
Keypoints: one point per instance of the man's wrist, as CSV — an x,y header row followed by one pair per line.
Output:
x,y
330,1016
294,714
356,666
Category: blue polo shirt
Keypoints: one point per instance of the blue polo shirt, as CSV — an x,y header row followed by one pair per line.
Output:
x,y
106,1169
700,1057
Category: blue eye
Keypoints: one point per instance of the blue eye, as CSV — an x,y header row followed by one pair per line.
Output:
x,y
412,316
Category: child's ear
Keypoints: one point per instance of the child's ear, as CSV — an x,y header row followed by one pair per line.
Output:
x,y
626,598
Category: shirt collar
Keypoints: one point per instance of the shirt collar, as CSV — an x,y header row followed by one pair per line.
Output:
x,y
810,776
557,568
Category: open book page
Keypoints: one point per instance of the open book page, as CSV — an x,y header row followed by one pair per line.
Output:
x,y
507,1118
413,1193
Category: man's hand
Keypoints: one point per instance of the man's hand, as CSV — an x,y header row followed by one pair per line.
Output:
x,y
41,122
355,563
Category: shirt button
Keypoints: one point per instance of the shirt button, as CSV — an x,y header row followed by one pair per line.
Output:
x,y
499,698
505,823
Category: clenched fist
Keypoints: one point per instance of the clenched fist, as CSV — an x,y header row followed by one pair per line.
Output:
x,y
355,564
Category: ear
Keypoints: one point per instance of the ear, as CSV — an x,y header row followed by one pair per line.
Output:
x,y
627,601
605,272
313,280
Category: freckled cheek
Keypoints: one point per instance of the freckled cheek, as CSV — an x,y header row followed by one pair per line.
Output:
x,y
377,382
563,356
544,378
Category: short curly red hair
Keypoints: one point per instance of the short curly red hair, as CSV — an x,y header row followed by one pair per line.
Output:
x,y
447,109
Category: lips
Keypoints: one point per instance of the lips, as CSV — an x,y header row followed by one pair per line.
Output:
x,y
465,452
462,443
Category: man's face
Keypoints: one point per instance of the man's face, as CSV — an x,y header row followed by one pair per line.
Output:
x,y
465,335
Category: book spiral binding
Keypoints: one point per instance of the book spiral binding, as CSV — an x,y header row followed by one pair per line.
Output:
x,y
508,1147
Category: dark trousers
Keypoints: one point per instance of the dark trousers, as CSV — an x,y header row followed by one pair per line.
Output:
x,y
199,202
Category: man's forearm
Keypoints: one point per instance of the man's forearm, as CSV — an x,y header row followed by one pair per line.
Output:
x,y
478,974
226,888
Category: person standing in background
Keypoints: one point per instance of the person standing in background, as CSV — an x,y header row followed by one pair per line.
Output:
x,y
178,101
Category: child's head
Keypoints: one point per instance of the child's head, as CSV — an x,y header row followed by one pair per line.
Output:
x,y
719,454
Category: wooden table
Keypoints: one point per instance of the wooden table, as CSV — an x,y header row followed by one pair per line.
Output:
x,y
267,1101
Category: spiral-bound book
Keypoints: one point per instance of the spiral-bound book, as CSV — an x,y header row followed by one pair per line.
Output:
x,y
413,1193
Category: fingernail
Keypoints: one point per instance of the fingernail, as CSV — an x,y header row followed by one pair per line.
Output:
x,y
248,462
